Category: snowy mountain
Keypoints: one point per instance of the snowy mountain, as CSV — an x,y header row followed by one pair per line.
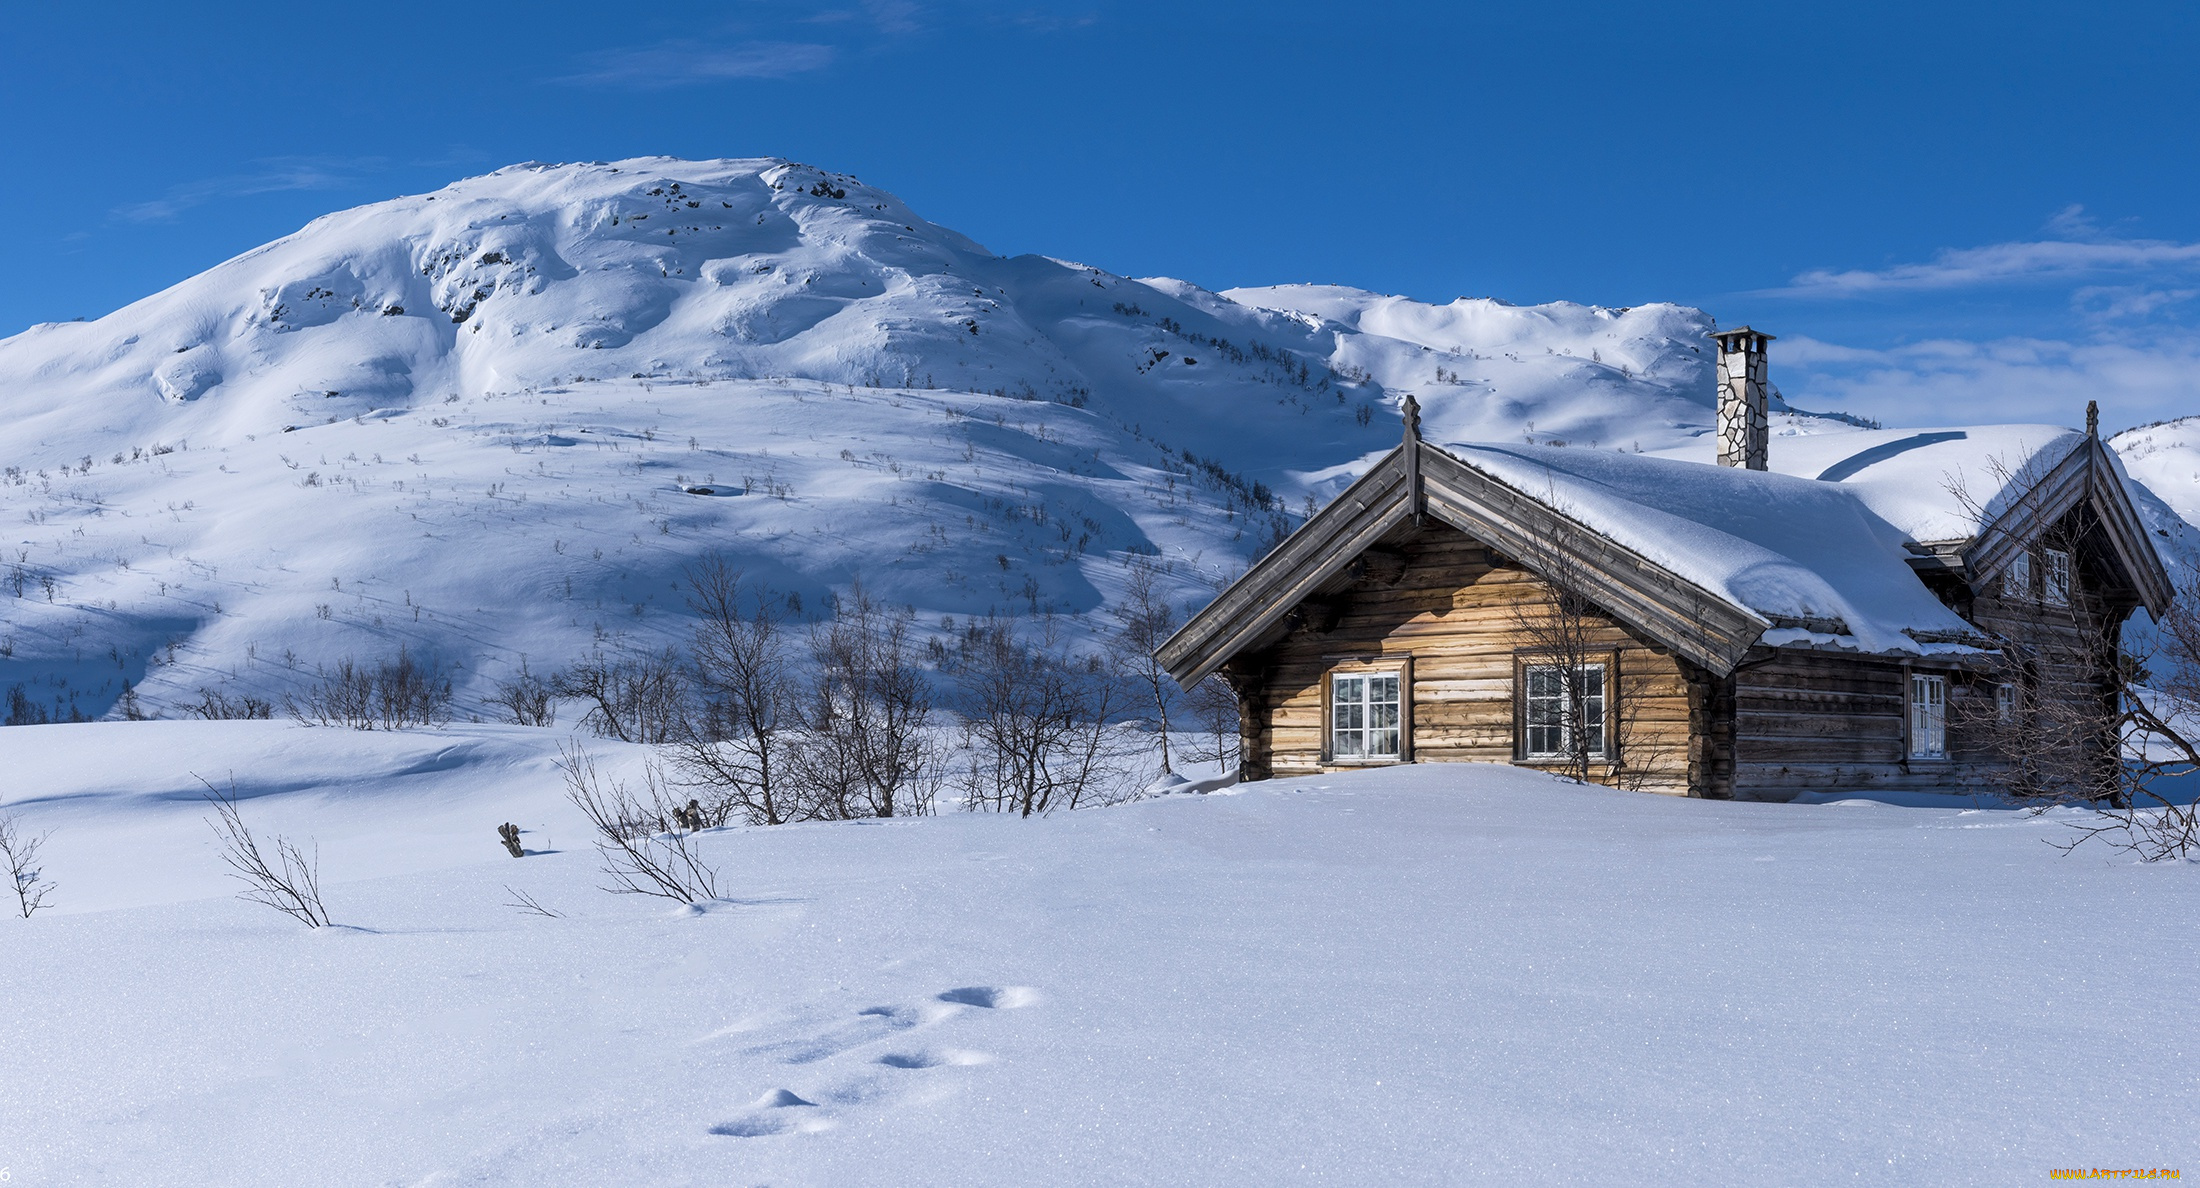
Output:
x,y
496,421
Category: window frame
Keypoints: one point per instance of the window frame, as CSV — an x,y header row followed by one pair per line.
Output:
x,y
1607,754
1366,666
1916,748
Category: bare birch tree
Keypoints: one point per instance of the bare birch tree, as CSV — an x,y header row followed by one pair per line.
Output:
x,y
1037,722
1212,708
2070,706
1563,703
865,749
734,744
1574,706
633,695
1144,620
526,699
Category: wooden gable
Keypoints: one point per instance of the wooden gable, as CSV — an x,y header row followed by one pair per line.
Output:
x,y
1415,483
2085,476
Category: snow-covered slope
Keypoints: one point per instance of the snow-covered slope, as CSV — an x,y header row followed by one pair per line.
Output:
x,y
1449,974
466,423
2165,459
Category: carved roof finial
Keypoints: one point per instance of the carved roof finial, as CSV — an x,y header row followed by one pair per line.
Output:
x,y
1413,418
2092,418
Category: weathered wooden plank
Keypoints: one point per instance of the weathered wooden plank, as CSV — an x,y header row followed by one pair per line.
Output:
x,y
1325,544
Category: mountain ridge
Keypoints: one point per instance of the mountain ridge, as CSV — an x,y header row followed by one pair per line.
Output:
x,y
468,423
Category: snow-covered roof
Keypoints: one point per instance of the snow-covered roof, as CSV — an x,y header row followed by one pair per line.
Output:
x,y
1932,484
1799,550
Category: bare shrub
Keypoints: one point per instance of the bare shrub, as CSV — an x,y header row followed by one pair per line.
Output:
x,y
733,745
525,699
1036,722
1143,622
635,696
864,750
391,694
644,850
2150,810
215,706
289,881
22,711
19,850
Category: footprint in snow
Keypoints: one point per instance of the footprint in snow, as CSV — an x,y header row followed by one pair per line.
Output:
x,y
777,1112
782,1111
991,997
870,1025
932,1058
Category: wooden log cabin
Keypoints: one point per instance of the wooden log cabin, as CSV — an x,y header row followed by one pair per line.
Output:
x,y
1760,629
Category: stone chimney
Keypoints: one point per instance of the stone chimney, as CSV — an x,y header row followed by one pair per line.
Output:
x,y
1744,424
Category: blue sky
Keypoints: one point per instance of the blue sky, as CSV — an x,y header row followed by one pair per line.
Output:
x,y
1947,212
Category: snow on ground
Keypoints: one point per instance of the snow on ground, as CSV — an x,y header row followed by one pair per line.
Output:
x,y
1439,974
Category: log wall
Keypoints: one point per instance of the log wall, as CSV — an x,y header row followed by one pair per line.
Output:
x,y
1785,722
1456,611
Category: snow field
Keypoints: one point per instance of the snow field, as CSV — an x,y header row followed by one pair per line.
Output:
x,y
1434,975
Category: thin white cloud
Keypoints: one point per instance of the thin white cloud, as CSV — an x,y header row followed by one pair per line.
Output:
x,y
683,64
1999,264
273,175
894,18
2105,304
1954,381
2076,249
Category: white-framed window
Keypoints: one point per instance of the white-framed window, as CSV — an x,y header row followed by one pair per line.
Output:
x,y
1558,704
2005,702
2017,582
2054,577
1928,716
1363,716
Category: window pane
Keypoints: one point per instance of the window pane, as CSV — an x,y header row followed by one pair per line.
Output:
x,y
1592,708
2055,578
1928,717
1544,702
